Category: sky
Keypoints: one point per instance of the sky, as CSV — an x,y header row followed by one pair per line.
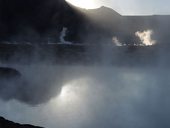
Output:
x,y
129,7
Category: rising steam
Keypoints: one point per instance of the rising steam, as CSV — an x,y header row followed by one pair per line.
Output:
x,y
146,37
116,41
63,35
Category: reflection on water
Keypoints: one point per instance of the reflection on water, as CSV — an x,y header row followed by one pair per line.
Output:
x,y
103,97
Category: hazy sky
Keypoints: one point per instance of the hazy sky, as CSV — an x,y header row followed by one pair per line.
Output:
x,y
140,6
130,7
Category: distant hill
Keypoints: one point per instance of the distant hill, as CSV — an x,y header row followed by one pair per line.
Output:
x,y
111,24
9,124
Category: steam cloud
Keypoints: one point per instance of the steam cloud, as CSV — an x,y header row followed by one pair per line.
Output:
x,y
63,35
116,41
145,37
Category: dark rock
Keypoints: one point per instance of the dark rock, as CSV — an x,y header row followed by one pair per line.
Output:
x,y
9,124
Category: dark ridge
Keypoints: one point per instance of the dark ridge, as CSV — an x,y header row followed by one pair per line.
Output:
x,y
9,124
105,10
36,20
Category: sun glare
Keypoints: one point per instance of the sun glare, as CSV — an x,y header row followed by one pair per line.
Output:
x,y
72,92
70,106
72,98
87,4
68,93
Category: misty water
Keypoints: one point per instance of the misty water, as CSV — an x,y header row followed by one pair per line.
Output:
x,y
90,96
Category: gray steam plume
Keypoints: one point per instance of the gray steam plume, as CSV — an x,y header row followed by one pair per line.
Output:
x,y
63,35
40,82
116,41
146,37
108,97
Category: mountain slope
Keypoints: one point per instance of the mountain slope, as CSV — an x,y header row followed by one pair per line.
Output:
x,y
38,21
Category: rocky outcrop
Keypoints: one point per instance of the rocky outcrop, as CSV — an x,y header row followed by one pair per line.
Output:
x,y
9,124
